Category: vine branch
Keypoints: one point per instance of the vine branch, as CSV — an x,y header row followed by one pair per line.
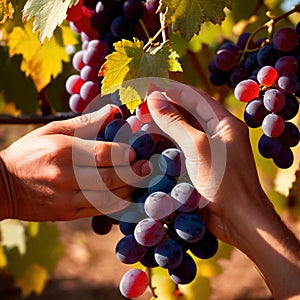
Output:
x,y
35,119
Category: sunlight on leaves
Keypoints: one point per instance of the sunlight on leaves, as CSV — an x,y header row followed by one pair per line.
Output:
x,y
6,10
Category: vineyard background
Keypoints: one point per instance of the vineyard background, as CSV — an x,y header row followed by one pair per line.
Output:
x,y
75,263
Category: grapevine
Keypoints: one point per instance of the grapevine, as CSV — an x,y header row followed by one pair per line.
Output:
x,y
120,40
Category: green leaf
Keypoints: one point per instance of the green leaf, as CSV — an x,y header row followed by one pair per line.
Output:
x,y
130,62
48,15
33,280
6,10
43,250
187,16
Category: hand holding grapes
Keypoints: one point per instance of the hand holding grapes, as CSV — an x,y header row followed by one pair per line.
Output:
x,y
46,175
221,166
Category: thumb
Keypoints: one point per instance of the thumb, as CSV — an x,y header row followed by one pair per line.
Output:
x,y
87,125
170,120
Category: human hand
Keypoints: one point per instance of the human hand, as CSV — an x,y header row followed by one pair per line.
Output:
x,y
50,174
218,155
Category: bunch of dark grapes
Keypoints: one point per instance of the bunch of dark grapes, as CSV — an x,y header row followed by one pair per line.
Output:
x,y
266,75
163,221
100,24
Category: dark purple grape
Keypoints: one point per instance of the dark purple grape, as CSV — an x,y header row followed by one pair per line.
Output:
x,y
290,108
122,27
285,39
117,130
269,147
225,60
284,159
287,65
287,84
133,9
101,224
267,56
290,136
255,112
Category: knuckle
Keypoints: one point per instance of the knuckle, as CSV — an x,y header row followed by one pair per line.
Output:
x,y
101,153
106,179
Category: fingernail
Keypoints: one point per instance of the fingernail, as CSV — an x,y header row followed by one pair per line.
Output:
x,y
158,101
146,168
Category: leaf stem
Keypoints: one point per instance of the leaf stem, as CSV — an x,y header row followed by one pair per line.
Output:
x,y
144,28
151,40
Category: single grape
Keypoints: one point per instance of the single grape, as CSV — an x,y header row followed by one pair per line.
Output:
x,y
255,113
149,232
287,65
74,84
134,283
89,91
225,60
133,9
267,56
168,253
290,108
273,125
159,205
284,159
285,39
243,40
77,104
290,136
172,162
189,226
128,222
152,6
74,12
274,100
269,147
186,272
287,84
102,224
207,247
129,251
77,60
187,197
122,27
88,73
267,75
117,130
143,143
246,90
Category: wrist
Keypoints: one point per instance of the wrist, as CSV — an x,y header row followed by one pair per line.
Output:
x,y
5,198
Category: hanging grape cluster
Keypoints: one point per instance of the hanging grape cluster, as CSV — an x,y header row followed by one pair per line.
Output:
x,y
100,24
266,75
163,221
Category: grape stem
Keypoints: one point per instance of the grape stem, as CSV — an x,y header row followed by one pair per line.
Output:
x,y
152,288
270,26
151,40
144,28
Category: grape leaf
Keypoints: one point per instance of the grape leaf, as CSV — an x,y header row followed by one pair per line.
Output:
x,y
43,250
130,62
33,280
187,16
41,63
3,258
12,235
48,15
6,10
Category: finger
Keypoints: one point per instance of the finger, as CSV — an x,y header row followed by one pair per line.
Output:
x,y
84,126
168,118
204,108
104,202
105,179
101,154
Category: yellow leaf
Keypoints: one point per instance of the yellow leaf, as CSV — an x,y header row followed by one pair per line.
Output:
x,y
41,63
33,280
6,10
3,259
130,97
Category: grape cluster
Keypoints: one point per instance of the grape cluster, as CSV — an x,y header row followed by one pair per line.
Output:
x,y
164,220
265,75
100,24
